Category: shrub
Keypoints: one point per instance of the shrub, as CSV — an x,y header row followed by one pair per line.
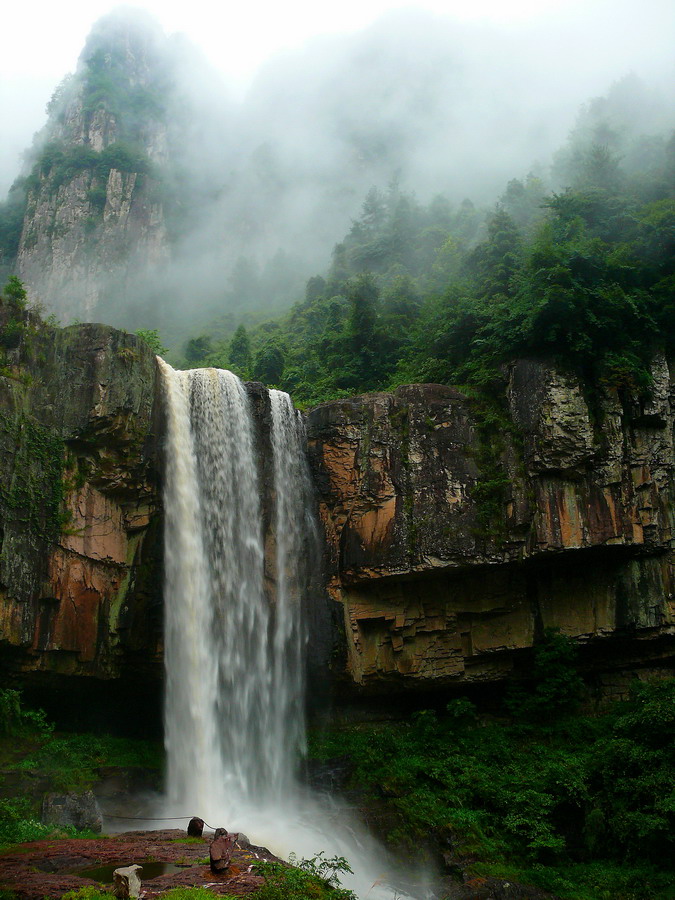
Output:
x,y
150,336
304,879
554,686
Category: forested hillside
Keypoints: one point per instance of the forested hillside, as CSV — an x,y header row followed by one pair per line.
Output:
x,y
583,273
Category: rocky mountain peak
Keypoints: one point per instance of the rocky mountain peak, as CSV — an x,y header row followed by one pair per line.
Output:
x,y
94,219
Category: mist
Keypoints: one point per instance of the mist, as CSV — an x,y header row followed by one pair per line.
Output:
x,y
266,183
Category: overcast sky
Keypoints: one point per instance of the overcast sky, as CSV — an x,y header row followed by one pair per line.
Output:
x,y
42,40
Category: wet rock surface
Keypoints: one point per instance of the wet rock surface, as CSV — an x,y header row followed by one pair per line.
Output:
x,y
79,520
451,540
45,868
456,533
76,810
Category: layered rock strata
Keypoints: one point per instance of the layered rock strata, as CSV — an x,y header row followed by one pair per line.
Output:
x,y
80,583
457,531
456,528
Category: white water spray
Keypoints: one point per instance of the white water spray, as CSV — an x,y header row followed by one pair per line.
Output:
x,y
234,719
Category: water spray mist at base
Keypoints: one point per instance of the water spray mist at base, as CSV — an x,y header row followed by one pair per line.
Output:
x,y
303,826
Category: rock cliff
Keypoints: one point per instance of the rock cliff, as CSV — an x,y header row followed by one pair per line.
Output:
x,y
79,559
458,529
94,222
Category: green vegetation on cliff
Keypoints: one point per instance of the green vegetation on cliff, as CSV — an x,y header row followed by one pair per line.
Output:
x,y
583,274
575,804
34,758
119,94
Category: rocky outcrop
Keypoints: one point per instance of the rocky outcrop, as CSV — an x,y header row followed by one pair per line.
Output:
x,y
73,810
85,242
459,529
79,559
94,225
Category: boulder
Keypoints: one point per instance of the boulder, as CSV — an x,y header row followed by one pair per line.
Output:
x,y
195,827
220,851
127,882
77,810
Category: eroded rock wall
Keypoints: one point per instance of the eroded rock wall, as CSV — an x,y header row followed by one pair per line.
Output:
x,y
94,230
80,567
86,242
457,532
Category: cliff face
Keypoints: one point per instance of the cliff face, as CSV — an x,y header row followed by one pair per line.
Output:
x,y
79,569
457,532
94,224
456,529
76,253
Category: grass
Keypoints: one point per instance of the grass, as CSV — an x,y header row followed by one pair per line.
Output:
x,y
187,840
194,893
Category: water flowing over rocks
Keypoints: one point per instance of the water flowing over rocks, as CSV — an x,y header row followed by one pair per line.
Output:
x,y
449,545
235,499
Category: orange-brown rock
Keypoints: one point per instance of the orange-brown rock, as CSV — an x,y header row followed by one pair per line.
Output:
x,y
79,577
456,534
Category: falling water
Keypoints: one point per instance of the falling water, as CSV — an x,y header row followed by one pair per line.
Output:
x,y
237,540
234,707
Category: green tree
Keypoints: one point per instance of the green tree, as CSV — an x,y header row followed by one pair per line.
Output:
x,y
554,686
268,365
150,336
360,332
15,292
363,294
239,352
494,263
196,349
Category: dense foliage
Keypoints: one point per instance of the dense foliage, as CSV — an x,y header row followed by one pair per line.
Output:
x,y
583,806
317,877
30,747
584,274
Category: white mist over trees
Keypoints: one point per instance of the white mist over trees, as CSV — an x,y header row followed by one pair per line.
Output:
x,y
254,193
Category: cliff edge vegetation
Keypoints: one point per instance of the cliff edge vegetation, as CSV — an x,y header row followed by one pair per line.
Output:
x,y
575,266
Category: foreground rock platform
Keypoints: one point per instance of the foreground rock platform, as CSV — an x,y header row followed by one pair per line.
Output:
x,y
44,869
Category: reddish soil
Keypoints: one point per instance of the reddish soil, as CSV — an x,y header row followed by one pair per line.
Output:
x,y
45,868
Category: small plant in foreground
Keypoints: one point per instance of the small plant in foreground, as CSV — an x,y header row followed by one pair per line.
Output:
x,y
87,893
194,893
304,879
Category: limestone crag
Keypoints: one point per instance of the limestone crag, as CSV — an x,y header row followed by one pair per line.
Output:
x,y
94,225
78,247
79,555
456,532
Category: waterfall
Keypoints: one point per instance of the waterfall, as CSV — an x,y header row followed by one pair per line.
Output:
x,y
234,720
238,550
